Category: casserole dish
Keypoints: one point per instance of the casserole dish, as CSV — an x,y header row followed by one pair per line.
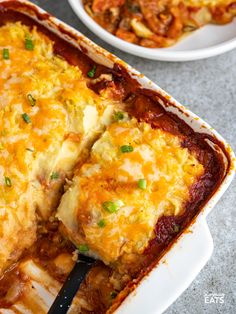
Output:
x,y
185,119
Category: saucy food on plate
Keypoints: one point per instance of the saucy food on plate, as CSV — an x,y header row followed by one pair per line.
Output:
x,y
90,162
158,23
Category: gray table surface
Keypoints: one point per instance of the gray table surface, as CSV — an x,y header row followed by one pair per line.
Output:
x,y
208,88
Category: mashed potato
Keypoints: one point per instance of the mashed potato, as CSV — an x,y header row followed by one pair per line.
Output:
x,y
48,120
134,176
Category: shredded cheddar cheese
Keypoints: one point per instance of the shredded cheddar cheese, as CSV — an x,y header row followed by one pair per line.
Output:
x,y
107,189
48,120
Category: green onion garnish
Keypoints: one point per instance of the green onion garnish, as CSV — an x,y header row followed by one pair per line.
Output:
x,y
26,118
176,228
126,149
31,100
113,294
30,149
8,181
54,176
110,207
118,116
3,132
83,248
92,72
142,184
5,54
101,223
29,45
119,203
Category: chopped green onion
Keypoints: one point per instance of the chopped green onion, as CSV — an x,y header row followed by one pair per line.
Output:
x,y
133,7
119,203
176,228
189,28
126,149
5,54
3,132
92,72
119,115
54,176
110,207
142,184
8,181
26,118
30,149
31,100
113,294
101,223
29,45
83,248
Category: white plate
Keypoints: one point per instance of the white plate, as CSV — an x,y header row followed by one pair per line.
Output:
x,y
206,42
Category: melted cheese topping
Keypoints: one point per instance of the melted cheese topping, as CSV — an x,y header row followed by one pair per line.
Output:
x,y
112,176
38,150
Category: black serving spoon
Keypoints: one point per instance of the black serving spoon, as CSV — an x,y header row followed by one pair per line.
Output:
x,y
71,285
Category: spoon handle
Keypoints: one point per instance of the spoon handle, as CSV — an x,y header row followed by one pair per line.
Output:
x,y
71,286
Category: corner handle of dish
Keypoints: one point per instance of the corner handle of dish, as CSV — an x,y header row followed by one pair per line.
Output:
x,y
174,273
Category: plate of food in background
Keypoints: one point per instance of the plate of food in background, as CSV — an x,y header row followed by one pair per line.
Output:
x,y
166,30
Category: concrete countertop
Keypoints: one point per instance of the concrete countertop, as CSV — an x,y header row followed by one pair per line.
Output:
x,y
208,88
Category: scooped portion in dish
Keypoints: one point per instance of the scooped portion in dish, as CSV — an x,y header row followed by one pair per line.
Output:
x,y
134,176
158,23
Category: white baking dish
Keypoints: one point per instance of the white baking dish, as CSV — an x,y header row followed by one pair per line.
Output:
x,y
180,265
